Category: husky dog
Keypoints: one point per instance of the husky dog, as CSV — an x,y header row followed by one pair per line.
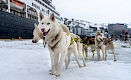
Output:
x,y
77,39
37,35
59,42
104,44
88,42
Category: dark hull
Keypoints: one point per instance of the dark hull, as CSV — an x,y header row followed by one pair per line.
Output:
x,y
13,26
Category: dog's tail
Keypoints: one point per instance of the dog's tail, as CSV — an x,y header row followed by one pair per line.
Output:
x,y
65,28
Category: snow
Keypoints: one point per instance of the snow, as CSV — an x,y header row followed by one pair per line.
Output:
x,y
24,60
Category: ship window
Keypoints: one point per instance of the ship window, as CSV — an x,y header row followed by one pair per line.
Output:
x,y
40,2
43,4
43,10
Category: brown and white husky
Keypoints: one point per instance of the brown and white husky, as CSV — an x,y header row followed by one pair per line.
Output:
x,y
104,44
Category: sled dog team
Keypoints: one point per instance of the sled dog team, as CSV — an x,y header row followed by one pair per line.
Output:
x,y
61,43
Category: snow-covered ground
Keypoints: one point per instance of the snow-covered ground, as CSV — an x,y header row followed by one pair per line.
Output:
x,y
23,60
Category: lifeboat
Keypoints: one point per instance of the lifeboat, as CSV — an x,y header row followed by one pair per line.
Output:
x,y
16,4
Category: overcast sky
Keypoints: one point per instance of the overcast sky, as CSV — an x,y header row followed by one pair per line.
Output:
x,y
95,11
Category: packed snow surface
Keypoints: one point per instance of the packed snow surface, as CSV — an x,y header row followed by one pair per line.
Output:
x,y
24,60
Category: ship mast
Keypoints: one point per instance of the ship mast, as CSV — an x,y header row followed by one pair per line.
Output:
x,y
8,6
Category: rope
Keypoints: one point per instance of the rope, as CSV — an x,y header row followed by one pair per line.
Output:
x,y
91,51
116,44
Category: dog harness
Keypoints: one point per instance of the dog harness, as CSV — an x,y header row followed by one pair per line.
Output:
x,y
54,45
100,46
76,39
72,40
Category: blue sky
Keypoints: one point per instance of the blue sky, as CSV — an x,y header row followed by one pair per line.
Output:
x,y
95,11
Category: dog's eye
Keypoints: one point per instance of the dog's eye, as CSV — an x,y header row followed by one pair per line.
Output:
x,y
48,23
42,23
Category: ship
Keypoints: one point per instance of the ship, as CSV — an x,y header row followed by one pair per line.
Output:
x,y
17,17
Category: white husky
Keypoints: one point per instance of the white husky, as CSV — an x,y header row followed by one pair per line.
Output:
x,y
37,35
59,42
104,44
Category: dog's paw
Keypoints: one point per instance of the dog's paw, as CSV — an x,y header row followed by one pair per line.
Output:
x,y
84,65
115,60
57,75
52,73
80,66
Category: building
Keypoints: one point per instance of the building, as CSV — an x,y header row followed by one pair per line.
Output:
x,y
116,29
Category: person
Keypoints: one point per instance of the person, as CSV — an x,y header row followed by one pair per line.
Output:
x,y
111,37
121,37
126,36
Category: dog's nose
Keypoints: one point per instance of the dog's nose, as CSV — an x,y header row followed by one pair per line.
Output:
x,y
33,41
43,29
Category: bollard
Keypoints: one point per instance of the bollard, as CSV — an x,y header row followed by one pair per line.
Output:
x,y
19,38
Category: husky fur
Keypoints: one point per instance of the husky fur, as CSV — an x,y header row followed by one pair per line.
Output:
x,y
58,43
37,35
79,47
65,28
104,44
88,42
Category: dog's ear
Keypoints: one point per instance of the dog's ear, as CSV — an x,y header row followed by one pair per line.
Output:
x,y
52,17
36,27
41,15
35,24
102,31
97,32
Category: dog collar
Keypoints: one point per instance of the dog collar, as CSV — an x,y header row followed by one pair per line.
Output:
x,y
72,40
54,38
